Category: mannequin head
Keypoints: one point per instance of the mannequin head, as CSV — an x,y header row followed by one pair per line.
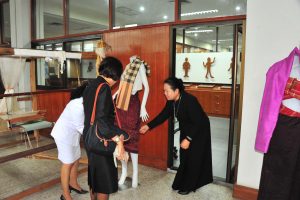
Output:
x,y
111,70
102,48
173,87
100,52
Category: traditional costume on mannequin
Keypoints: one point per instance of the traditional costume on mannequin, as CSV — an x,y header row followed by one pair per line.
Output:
x,y
278,131
131,111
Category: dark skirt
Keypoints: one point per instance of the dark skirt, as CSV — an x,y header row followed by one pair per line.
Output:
x,y
280,176
102,174
131,123
195,169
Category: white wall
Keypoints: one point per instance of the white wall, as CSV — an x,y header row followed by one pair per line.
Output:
x,y
273,30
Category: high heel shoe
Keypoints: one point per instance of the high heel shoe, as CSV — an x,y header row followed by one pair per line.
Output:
x,y
183,192
62,197
82,191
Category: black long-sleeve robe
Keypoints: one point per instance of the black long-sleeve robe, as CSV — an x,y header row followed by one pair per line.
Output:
x,y
195,168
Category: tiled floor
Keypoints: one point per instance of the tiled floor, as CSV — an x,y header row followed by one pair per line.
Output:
x,y
24,173
154,184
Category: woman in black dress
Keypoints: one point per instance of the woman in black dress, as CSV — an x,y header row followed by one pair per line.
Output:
x,y
195,168
102,173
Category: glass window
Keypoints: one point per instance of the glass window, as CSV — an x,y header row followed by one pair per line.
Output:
x,y
90,45
80,71
211,46
74,46
92,15
49,47
5,23
58,47
49,18
196,9
133,13
40,47
48,73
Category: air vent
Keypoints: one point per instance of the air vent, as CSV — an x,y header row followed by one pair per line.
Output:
x,y
126,11
55,24
181,1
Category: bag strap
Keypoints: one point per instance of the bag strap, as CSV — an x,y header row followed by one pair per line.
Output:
x,y
94,107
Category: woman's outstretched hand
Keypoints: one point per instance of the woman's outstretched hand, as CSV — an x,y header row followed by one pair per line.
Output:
x,y
185,144
144,129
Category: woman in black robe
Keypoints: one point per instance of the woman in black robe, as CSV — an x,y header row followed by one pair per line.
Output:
x,y
195,169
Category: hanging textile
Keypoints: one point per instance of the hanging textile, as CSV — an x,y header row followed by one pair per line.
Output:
x,y
11,70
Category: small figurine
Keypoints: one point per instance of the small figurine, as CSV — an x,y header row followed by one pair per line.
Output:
x,y
186,67
231,65
208,67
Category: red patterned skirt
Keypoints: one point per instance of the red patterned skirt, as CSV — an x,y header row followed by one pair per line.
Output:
x,y
131,123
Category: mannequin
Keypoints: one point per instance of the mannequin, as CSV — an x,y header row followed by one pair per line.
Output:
x,y
101,49
278,131
294,104
140,113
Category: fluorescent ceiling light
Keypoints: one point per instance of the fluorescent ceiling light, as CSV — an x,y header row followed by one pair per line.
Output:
x,y
195,34
200,31
142,8
130,25
238,8
165,17
203,12
225,40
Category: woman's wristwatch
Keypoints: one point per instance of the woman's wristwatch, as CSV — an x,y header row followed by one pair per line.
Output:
x,y
189,138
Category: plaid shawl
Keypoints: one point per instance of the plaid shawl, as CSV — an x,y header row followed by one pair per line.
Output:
x,y
127,80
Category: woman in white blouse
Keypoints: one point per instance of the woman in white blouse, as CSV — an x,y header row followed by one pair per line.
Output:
x,y
66,133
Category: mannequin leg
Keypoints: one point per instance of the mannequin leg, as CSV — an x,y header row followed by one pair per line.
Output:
x,y
134,160
124,173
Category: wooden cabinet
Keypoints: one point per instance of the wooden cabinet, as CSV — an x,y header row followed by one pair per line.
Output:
x,y
215,101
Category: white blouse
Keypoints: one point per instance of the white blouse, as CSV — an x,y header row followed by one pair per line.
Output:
x,y
69,125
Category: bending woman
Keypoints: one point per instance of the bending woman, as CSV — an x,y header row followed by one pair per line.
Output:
x,y
195,169
66,133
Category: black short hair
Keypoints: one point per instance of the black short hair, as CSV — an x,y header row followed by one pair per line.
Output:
x,y
111,67
77,92
175,83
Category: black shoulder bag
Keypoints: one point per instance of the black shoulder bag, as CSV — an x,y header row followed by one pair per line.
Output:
x,y
94,141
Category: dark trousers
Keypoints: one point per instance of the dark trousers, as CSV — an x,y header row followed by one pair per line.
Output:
x,y
280,177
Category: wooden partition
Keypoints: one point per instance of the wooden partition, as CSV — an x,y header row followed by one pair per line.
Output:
x,y
54,103
152,45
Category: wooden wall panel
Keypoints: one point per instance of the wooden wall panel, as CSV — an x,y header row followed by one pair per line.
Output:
x,y
152,45
244,193
53,103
